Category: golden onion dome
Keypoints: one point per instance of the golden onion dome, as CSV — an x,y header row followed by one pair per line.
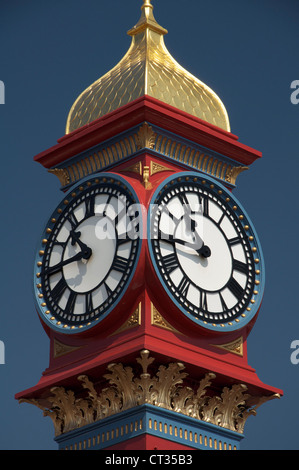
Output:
x,y
147,69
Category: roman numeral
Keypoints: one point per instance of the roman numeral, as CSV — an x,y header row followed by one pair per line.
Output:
x,y
107,205
234,241
223,304
205,209
59,289
183,199
70,306
123,239
120,264
89,207
108,290
203,304
184,286
120,215
235,288
72,220
240,267
62,244
170,215
89,303
170,262
221,220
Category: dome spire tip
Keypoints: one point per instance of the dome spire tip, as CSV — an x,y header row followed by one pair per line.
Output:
x,y
147,20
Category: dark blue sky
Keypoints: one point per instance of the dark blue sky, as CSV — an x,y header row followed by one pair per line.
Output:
x,y
247,52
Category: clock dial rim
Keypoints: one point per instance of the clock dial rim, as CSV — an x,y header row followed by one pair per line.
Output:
x,y
212,185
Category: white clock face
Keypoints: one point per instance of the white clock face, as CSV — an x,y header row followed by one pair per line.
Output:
x,y
89,254
203,253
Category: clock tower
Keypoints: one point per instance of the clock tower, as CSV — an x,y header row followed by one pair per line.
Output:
x,y
149,274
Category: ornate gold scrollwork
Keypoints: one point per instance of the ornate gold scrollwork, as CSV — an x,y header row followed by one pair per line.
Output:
x,y
229,409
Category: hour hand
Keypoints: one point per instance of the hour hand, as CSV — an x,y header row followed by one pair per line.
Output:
x,y
76,239
203,250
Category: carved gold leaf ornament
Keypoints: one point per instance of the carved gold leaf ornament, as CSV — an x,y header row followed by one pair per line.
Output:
x,y
60,349
165,389
146,137
235,347
158,168
133,321
158,320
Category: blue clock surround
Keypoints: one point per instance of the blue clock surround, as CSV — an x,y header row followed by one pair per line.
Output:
x,y
242,321
41,308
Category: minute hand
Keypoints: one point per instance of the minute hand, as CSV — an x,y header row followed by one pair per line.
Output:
x,y
54,269
204,250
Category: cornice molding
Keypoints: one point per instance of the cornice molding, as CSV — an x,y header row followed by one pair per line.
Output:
x,y
168,146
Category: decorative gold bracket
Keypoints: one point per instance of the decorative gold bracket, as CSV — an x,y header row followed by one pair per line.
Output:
x,y
61,174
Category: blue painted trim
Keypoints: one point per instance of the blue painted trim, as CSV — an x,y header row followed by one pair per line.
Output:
x,y
149,419
243,321
40,309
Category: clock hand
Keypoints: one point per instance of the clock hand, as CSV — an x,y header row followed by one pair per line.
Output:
x,y
77,257
203,250
188,213
84,248
76,239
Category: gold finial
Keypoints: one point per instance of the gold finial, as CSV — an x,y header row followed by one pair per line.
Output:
x,y
147,20
147,7
147,3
